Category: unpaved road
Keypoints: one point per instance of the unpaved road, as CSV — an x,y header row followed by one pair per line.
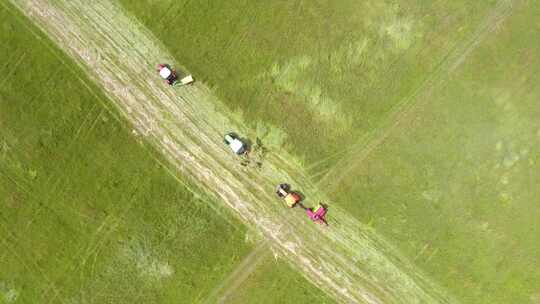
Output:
x,y
403,109
348,260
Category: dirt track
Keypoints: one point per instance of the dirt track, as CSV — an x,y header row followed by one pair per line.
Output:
x,y
348,260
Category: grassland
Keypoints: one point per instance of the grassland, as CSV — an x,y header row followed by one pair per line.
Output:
x,y
88,214
454,184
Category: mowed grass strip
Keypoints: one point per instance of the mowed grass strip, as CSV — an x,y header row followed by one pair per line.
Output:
x,y
456,185
88,214
313,77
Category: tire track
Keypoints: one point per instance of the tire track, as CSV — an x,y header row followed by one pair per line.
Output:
x,y
349,261
249,264
12,68
403,109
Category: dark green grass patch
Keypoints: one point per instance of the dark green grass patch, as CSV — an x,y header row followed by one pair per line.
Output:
x,y
88,214
456,187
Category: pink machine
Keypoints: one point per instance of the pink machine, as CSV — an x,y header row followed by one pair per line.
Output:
x,y
317,215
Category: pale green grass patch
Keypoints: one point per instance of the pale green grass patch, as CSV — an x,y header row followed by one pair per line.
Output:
x,y
350,54
147,261
271,135
8,293
295,77
401,30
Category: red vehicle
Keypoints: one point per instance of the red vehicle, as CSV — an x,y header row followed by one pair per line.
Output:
x,y
167,73
291,198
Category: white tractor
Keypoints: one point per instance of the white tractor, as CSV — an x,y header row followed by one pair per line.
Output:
x,y
169,75
236,145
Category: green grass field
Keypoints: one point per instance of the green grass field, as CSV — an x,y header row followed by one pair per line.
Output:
x,y
419,118
338,68
89,212
454,183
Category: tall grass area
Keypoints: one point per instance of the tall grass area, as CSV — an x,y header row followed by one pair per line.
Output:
x,y
456,186
324,73
88,214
